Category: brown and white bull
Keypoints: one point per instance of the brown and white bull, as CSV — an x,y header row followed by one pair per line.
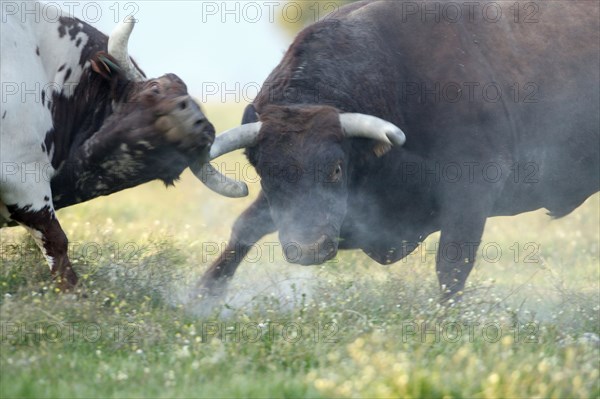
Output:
x,y
79,120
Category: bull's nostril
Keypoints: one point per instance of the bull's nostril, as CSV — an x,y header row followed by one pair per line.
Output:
x,y
183,105
199,122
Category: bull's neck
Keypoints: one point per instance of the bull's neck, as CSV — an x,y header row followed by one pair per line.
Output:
x,y
77,115
337,90
102,165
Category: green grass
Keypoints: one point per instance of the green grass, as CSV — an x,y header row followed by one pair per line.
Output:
x,y
350,328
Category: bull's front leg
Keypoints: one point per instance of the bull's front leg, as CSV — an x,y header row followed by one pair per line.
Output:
x,y
456,254
30,205
250,227
464,208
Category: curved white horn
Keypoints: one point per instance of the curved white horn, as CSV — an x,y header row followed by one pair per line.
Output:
x,y
234,139
117,48
218,183
371,127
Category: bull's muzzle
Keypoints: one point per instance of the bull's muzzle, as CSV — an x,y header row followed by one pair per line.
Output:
x,y
182,122
315,253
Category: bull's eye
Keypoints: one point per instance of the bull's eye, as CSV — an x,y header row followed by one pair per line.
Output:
x,y
336,174
155,87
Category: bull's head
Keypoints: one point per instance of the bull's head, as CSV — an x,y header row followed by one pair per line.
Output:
x,y
159,112
302,154
149,129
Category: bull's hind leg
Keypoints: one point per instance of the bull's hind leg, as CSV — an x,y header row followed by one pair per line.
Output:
x,y
250,227
29,203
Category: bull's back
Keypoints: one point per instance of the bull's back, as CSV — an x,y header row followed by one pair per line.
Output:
x,y
536,63
539,118
25,118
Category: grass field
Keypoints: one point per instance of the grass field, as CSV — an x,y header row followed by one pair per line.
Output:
x,y
528,325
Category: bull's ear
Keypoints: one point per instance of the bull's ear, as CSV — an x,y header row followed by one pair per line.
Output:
x,y
250,114
106,66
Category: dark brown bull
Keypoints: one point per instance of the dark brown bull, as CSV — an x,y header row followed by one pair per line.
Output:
x,y
501,116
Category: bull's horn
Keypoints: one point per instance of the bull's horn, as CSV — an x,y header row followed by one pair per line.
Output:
x,y
371,127
234,139
117,48
218,183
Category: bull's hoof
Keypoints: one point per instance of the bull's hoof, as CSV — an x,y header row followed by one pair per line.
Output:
x,y
450,298
68,281
209,288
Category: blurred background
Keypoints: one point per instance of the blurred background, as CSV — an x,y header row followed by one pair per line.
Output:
x,y
227,43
